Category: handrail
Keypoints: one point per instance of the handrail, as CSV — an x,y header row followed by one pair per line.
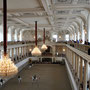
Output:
x,y
80,53
81,47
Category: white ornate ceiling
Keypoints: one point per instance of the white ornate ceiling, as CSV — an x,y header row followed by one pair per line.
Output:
x,y
56,15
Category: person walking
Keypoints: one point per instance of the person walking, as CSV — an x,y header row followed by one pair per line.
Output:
x,y
19,79
1,82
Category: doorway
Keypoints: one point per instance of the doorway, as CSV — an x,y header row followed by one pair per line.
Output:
x,y
47,60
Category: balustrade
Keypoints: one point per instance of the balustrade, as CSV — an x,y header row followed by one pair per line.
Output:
x,y
79,62
17,52
81,47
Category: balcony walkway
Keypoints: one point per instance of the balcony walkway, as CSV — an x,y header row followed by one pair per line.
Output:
x,y
52,77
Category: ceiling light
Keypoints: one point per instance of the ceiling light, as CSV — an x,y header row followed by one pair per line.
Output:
x,y
59,36
36,51
44,47
30,49
7,67
63,50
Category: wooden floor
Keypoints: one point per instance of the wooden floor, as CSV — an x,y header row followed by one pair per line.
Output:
x,y
52,77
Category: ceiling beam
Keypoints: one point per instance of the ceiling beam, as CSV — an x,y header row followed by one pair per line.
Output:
x,y
24,10
58,5
28,16
47,9
20,21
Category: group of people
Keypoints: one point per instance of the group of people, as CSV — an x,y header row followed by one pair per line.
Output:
x,y
81,86
86,42
34,78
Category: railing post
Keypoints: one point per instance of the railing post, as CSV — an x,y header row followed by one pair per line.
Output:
x,y
77,66
23,51
9,52
12,52
16,53
85,75
81,70
72,59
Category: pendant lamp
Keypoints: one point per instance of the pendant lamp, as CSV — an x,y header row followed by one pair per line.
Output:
x,y
36,51
7,67
44,47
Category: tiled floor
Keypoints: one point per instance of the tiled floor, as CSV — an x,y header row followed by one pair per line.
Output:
x,y
52,77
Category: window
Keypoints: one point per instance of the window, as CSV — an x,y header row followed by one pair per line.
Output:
x,y
55,37
67,37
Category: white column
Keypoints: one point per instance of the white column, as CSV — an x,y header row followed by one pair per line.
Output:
x,y
21,34
11,33
74,36
78,35
82,33
88,27
16,34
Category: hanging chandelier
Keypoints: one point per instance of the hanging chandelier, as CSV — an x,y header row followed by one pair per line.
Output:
x,y
7,67
44,47
36,51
